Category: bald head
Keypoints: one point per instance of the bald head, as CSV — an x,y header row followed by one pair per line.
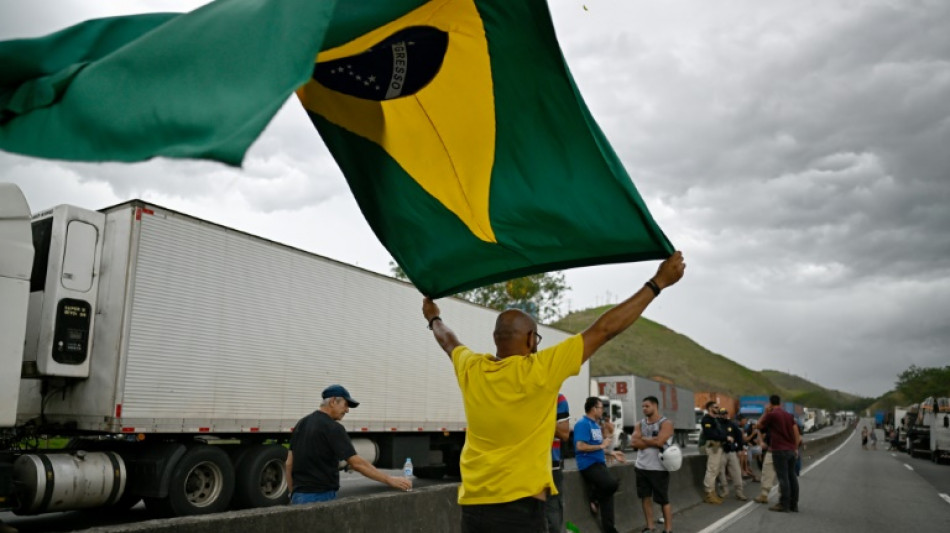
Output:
x,y
515,333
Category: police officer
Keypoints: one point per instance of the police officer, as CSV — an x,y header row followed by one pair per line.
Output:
x,y
730,463
714,437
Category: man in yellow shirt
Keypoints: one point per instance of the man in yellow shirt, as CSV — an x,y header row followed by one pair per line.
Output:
x,y
510,400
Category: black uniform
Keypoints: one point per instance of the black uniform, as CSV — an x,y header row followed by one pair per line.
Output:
x,y
319,443
712,429
732,429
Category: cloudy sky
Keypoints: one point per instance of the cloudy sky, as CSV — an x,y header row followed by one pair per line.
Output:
x,y
798,152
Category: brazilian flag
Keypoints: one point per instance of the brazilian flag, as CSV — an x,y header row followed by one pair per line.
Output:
x,y
456,122
468,146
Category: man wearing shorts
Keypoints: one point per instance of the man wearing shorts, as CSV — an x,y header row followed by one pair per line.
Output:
x,y
650,437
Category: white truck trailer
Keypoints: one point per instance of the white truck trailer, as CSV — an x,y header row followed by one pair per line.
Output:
x,y
178,354
676,403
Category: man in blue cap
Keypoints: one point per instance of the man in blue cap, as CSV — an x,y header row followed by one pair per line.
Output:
x,y
317,446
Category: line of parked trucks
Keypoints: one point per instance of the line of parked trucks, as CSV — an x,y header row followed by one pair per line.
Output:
x,y
923,429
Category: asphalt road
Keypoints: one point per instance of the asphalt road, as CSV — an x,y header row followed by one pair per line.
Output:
x,y
848,490
872,470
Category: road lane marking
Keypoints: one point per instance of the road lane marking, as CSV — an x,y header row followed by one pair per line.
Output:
x,y
731,518
909,467
818,462
945,497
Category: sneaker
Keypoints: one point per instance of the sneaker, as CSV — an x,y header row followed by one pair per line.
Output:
x,y
761,499
742,497
594,508
778,508
646,530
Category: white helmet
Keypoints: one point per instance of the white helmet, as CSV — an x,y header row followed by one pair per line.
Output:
x,y
672,458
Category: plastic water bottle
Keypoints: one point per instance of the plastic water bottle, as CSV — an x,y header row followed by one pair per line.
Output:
x,y
407,468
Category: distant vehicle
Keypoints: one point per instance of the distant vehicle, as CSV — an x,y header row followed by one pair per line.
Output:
x,y
918,436
676,403
879,418
809,421
910,421
694,435
900,421
939,423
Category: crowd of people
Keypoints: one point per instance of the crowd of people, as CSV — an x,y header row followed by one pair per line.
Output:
x,y
774,444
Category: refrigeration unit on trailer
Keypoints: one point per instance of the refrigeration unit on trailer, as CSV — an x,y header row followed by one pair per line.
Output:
x,y
177,355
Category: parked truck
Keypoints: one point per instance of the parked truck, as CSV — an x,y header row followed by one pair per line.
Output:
x,y
753,406
176,355
676,403
918,434
929,431
939,423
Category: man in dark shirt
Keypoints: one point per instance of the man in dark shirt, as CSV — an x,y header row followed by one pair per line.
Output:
x,y
317,446
714,437
784,439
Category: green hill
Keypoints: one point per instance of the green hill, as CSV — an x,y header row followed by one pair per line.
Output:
x,y
802,391
651,349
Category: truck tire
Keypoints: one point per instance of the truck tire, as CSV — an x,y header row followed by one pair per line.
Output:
x,y
201,483
261,477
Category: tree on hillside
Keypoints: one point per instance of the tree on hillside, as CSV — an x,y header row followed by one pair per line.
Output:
x,y
917,383
538,294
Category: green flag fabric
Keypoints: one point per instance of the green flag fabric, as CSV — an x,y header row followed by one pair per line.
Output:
x,y
469,149
197,85
456,122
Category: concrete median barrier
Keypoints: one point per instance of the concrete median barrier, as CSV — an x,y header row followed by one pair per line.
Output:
x,y
433,509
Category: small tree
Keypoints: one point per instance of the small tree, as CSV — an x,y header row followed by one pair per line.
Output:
x,y
537,294
917,383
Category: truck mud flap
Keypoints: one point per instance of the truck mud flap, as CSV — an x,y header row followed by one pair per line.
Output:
x,y
150,467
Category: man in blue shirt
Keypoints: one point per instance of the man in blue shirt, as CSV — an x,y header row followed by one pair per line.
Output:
x,y
554,505
591,460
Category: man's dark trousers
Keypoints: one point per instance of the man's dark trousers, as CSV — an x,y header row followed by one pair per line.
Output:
x,y
602,487
520,516
784,462
554,507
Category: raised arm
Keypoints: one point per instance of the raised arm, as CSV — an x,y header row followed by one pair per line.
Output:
x,y
443,334
619,318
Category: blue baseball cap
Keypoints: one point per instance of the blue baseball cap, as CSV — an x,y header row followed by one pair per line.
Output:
x,y
338,391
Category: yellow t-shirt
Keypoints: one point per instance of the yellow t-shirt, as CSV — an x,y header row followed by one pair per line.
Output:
x,y
510,407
